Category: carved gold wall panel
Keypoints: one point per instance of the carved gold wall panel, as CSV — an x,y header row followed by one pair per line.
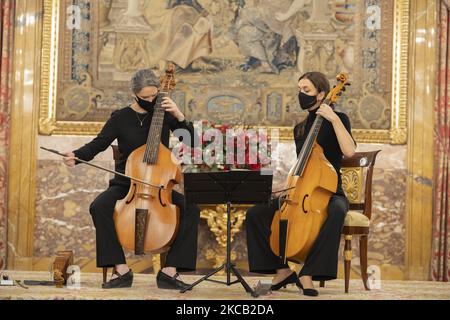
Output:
x,y
216,218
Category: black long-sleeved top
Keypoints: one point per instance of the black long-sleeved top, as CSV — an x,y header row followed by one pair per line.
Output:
x,y
125,126
326,139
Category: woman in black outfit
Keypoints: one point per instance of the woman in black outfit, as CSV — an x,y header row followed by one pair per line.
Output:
x,y
130,126
336,140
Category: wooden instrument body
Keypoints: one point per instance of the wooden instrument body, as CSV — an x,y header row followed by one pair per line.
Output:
x,y
310,185
63,260
162,215
305,206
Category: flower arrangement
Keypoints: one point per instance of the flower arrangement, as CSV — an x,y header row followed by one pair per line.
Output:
x,y
225,147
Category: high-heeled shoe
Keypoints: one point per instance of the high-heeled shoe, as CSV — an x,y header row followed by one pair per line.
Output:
x,y
122,281
307,292
164,281
292,278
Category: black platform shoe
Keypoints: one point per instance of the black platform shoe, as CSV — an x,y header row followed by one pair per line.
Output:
x,y
122,281
164,281
291,279
308,292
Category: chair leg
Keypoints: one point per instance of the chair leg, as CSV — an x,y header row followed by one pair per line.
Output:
x,y
322,284
105,272
347,260
162,259
363,260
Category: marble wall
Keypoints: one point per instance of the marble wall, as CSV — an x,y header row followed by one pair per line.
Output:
x,y
63,196
48,203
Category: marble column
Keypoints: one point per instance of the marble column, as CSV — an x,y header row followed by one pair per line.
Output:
x,y
421,91
24,128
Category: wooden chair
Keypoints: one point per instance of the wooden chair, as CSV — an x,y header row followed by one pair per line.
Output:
x,y
117,156
357,173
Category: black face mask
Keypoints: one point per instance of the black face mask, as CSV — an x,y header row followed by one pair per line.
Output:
x,y
306,101
146,105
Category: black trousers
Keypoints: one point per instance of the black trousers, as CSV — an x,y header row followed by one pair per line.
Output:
x,y
183,251
322,260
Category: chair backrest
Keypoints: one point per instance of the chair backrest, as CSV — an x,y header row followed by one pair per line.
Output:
x,y
357,173
117,155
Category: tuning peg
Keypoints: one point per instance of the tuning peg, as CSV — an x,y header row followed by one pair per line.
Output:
x,y
348,84
344,88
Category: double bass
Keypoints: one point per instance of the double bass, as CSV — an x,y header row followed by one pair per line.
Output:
x,y
146,220
309,186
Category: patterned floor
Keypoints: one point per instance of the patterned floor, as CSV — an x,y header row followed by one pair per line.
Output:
x,y
144,287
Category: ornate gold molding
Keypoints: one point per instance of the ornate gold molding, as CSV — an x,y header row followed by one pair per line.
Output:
x,y
393,136
216,217
399,120
397,134
48,125
49,67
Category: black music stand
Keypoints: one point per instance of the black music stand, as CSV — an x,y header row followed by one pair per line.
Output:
x,y
237,187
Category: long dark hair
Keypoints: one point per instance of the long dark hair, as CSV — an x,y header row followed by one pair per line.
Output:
x,y
321,83
319,80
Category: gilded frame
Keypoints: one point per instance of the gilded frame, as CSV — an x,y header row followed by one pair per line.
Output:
x,y
397,134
